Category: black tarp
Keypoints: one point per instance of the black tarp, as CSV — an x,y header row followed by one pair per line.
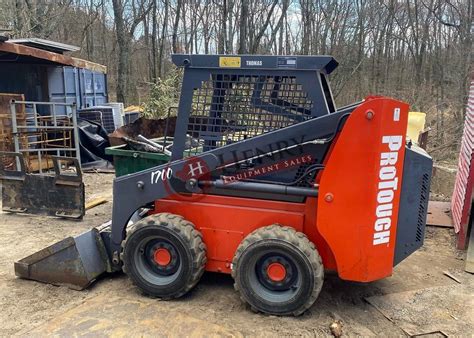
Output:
x,y
93,141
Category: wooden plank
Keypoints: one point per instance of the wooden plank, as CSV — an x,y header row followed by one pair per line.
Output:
x,y
439,214
95,202
6,142
6,132
33,163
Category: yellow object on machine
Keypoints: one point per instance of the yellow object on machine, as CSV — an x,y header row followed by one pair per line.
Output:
x,y
131,109
416,124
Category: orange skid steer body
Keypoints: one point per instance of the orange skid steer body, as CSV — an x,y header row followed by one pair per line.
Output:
x,y
268,181
353,221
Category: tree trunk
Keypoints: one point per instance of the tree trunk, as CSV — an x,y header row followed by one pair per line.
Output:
x,y
154,37
162,39
176,25
244,12
123,45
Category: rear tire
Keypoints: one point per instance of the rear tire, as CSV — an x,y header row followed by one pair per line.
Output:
x,y
278,271
164,255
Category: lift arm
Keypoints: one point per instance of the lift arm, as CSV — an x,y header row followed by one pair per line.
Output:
x,y
134,191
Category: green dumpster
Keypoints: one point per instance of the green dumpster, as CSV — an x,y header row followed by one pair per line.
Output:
x,y
127,161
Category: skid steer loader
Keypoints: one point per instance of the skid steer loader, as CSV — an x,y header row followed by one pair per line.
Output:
x,y
277,186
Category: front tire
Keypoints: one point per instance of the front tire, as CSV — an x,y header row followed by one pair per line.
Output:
x,y
278,271
164,255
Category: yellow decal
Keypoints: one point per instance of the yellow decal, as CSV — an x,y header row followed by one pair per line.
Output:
x,y
229,62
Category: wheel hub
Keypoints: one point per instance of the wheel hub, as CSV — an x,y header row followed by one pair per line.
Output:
x,y
162,256
276,272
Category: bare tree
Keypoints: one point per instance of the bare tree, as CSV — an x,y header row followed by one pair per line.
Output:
x,y
419,51
126,19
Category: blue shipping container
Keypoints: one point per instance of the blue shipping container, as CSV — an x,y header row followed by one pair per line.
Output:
x,y
84,87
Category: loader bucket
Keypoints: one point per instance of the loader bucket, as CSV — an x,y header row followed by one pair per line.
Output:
x,y
74,262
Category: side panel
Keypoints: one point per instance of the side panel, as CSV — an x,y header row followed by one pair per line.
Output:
x,y
314,236
75,85
359,190
93,88
225,221
63,84
413,203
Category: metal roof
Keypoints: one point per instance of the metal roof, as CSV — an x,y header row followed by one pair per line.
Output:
x,y
51,46
14,52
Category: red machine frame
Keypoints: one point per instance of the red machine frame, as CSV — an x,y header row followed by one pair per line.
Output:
x,y
340,222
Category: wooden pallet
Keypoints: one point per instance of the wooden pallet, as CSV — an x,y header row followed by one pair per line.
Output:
x,y
6,131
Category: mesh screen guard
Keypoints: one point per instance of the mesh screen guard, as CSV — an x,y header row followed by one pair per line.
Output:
x,y
228,108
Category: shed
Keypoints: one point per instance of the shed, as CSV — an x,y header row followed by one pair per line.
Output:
x,y
41,71
463,194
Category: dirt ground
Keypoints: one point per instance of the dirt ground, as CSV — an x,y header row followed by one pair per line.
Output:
x,y
113,306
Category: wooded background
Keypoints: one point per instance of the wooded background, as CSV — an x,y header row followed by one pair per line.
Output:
x,y
419,51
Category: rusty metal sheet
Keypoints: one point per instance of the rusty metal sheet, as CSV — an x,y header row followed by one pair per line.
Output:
x,y
439,214
150,128
18,49
44,194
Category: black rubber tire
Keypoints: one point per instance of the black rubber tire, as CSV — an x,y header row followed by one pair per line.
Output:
x,y
292,244
188,245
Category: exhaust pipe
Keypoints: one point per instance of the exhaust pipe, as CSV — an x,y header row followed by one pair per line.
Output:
x,y
75,262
